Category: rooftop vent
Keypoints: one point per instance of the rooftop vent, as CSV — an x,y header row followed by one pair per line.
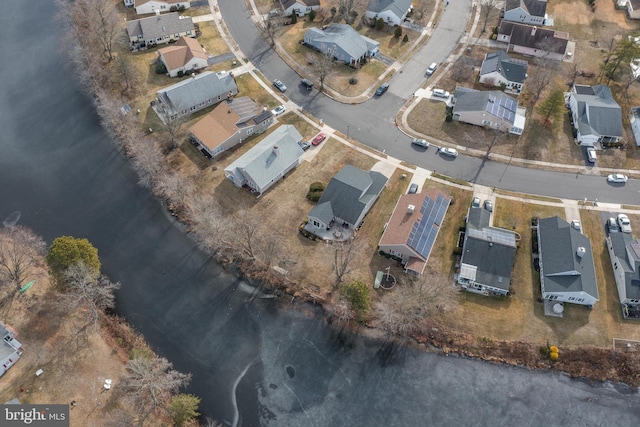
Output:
x,y
581,251
410,209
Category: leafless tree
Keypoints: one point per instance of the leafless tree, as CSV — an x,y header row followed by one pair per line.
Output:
x,y
348,9
148,160
103,22
214,233
461,71
488,10
174,129
125,72
323,66
118,418
20,250
269,28
150,382
246,229
83,289
341,312
344,253
210,422
421,8
115,120
174,186
546,68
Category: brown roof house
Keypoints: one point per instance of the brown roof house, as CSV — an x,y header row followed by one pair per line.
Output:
x,y
413,228
182,57
534,41
229,124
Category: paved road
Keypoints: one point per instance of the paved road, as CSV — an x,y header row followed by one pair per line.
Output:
x,y
373,122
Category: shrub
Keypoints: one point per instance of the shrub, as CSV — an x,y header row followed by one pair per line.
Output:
x,y
448,118
457,251
316,186
357,293
160,68
314,196
312,15
494,36
397,32
405,38
294,18
180,73
379,24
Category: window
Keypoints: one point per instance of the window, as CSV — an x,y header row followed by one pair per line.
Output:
x,y
486,122
250,131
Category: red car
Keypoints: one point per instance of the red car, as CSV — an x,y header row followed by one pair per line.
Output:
x,y
318,139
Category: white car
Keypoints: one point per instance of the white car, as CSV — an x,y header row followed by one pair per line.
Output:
x,y
624,223
439,93
617,177
452,152
421,142
280,109
432,68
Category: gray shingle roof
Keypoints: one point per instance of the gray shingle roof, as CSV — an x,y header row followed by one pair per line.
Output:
x,y
564,271
348,192
270,157
286,4
494,102
627,251
524,35
514,70
342,35
534,7
598,113
159,26
398,7
197,89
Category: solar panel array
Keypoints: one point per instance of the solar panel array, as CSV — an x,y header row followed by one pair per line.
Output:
x,y
424,232
505,108
495,235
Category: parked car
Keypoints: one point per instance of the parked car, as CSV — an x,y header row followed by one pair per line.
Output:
x,y
624,223
617,177
382,89
278,110
591,155
413,188
475,203
281,87
420,142
612,225
307,84
451,152
439,93
432,68
575,224
318,139
488,205
304,145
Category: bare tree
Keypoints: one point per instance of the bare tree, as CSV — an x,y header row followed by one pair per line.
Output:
x,y
126,74
20,250
461,71
174,131
247,232
269,28
148,160
118,418
487,10
546,68
121,124
83,289
420,10
103,22
150,382
213,228
323,66
348,10
210,422
344,253
174,186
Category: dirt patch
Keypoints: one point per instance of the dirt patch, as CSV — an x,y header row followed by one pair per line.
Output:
x,y
580,13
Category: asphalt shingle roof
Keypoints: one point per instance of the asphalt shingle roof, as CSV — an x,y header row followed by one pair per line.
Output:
x,y
535,37
342,35
514,70
598,113
398,7
198,89
159,26
534,7
627,251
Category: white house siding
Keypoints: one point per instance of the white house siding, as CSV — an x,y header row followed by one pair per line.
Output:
x,y
300,9
388,17
633,14
522,16
152,6
191,65
536,52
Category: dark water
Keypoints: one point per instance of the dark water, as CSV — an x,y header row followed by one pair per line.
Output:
x,y
259,363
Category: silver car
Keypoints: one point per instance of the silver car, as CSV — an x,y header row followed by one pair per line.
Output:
x,y
451,152
420,142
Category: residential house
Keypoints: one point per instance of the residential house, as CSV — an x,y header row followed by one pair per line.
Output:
x,y
157,6
270,160
634,119
159,29
488,254
526,11
300,7
624,252
567,273
493,109
347,199
129,3
533,41
392,12
184,56
597,117
342,42
10,348
229,124
413,228
499,69
193,94
633,9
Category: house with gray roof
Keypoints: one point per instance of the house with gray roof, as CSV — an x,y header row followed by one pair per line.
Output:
x,y
488,254
413,228
342,42
300,7
624,252
392,12
268,161
532,12
346,200
144,7
491,109
533,41
567,273
499,69
159,29
597,117
10,348
193,94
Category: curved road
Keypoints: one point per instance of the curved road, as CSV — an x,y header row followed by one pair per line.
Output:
x,y
373,122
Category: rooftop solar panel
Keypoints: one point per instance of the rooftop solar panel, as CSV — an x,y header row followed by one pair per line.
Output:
x,y
424,232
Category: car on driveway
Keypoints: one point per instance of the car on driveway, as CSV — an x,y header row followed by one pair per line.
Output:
x,y
451,152
575,224
413,189
278,110
304,145
439,93
475,203
420,142
624,223
382,89
617,177
488,205
281,87
318,139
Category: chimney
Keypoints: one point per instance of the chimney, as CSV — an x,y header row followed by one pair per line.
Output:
x,y
275,150
581,251
410,209
533,31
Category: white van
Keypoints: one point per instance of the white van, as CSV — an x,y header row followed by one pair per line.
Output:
x,y
432,68
441,93
591,154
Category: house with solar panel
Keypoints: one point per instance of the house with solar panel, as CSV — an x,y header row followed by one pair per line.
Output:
x,y
10,348
567,273
491,109
230,123
269,161
344,203
624,252
596,116
500,70
342,42
413,228
488,254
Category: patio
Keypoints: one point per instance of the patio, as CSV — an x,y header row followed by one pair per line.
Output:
x,y
335,232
